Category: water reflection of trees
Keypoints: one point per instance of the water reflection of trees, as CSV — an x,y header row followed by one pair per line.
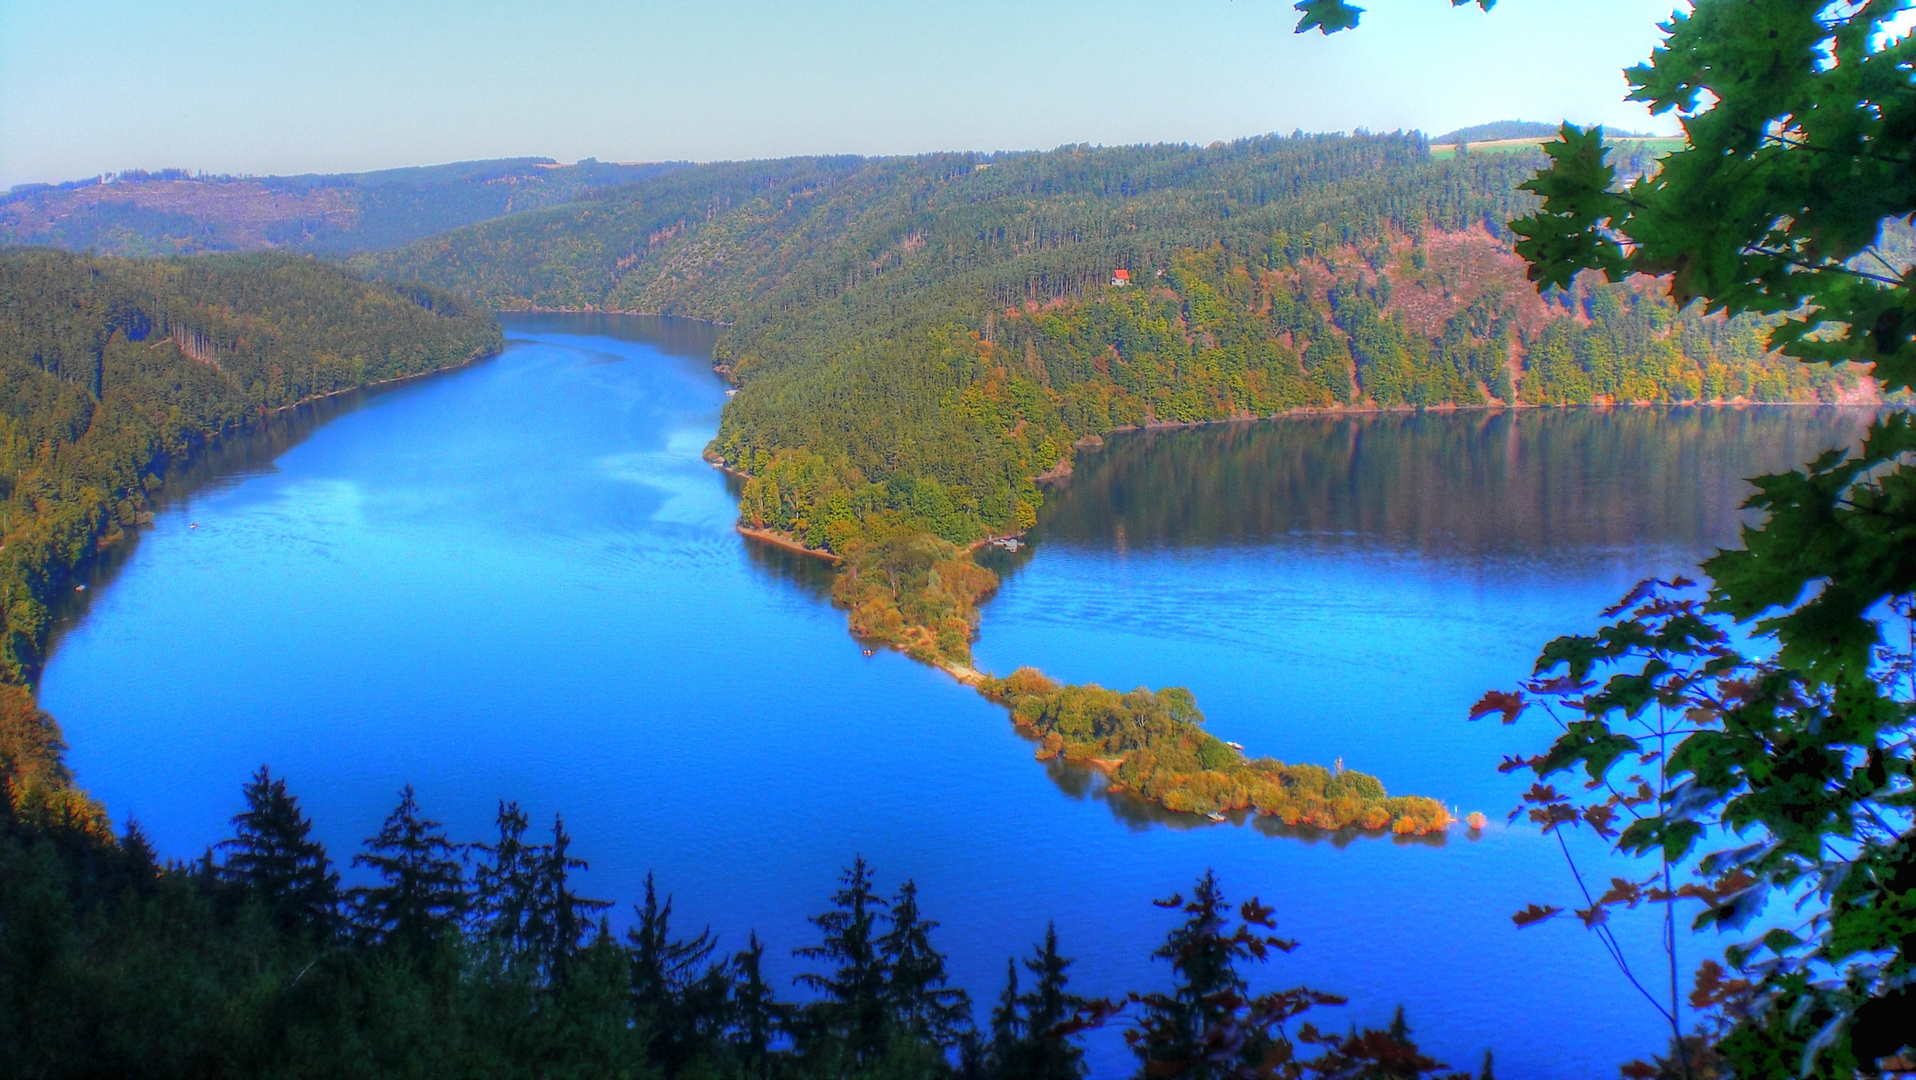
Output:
x,y
1513,482
809,574
669,335
1083,782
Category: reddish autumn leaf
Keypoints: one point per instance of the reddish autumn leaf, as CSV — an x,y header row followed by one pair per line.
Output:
x,y
1508,702
1544,794
1552,816
1622,892
1599,818
1534,914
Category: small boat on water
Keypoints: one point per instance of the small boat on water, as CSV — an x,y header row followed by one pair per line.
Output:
x,y
195,525
1215,816
1237,746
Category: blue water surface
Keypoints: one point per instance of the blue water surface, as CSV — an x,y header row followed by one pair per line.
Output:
x,y
520,581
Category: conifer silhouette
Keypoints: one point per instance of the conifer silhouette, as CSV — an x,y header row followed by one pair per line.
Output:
x,y
921,1003
423,897
851,1020
272,856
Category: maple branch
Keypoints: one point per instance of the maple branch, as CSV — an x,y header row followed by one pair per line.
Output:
x,y
1822,267
1604,934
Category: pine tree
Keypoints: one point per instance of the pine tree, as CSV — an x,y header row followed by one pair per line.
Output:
x,y
273,857
755,1013
1208,984
1399,1029
920,1003
671,989
1208,1027
558,918
142,864
973,1058
424,895
1007,1028
505,885
1045,1053
850,1023
527,910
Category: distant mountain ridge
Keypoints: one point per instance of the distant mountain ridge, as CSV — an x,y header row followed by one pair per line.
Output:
x,y
1498,130
173,212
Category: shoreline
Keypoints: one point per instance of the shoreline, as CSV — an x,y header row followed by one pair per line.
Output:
x,y
789,543
1495,406
964,673
590,310
466,363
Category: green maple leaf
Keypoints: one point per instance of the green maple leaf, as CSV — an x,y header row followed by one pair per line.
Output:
x,y
1329,16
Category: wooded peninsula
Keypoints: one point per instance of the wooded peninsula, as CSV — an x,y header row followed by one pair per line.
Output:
x,y
919,343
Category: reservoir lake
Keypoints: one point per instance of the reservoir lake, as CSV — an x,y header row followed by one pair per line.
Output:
x,y
520,580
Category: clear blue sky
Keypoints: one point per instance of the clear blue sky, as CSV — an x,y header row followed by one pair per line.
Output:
x,y
286,86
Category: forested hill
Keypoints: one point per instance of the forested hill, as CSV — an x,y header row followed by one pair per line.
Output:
x,y
111,367
917,338
737,239
173,212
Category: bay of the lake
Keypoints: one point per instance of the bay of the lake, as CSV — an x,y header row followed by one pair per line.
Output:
x,y
520,581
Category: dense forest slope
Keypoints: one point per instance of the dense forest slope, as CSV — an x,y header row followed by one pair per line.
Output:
x,y
172,212
109,368
918,338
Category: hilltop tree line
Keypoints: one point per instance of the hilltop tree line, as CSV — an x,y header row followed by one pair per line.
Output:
x,y
488,959
144,213
112,369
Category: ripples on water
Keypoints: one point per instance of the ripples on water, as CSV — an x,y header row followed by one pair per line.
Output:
x,y
519,580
